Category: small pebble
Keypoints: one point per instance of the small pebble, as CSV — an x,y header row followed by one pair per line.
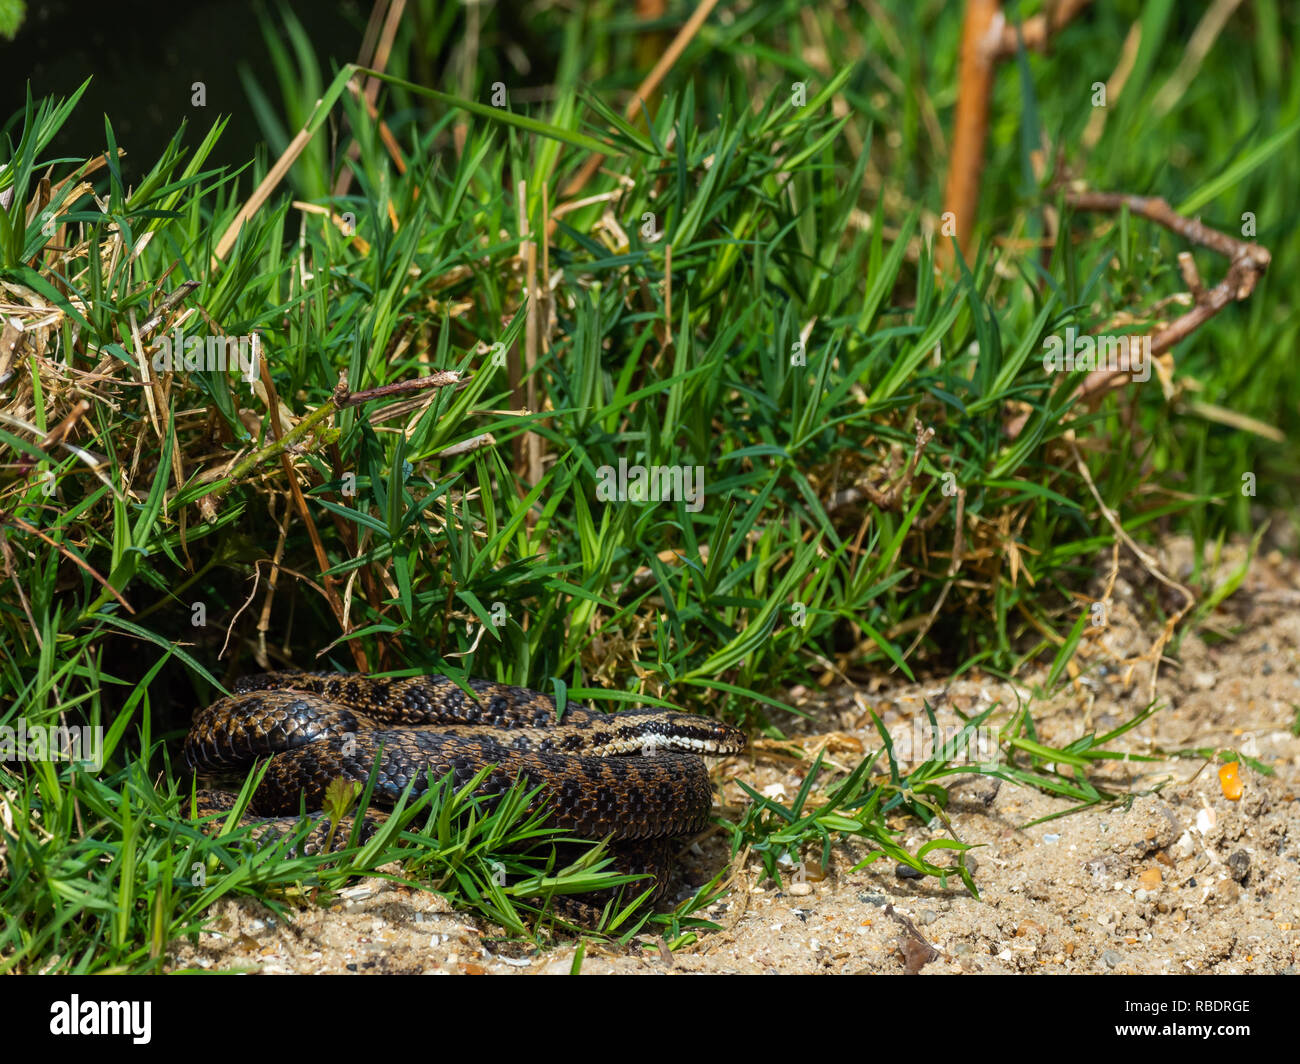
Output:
x,y
1230,781
1186,845
1226,892
1239,865
903,871
1051,839
1111,958
871,899
928,916
800,890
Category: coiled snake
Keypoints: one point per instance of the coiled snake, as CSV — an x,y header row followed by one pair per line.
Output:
x,y
635,777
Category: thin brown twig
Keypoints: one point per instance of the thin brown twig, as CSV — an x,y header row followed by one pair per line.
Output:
x,y
152,386
7,517
60,431
295,492
1148,563
668,298
435,380
11,571
257,579
169,301
892,495
1247,263
376,47
643,92
268,184
273,579
338,400
915,948
1198,47
954,563
532,442
87,168
283,443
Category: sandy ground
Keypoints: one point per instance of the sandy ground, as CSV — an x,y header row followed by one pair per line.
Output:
x,y
1179,880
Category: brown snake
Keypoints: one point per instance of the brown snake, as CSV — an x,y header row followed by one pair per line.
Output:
x,y
634,777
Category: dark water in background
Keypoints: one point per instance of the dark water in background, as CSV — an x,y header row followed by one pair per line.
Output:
x,y
144,57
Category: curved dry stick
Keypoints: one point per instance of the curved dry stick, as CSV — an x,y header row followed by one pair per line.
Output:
x,y
1247,262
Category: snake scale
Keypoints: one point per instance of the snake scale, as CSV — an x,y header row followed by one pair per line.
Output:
x,y
636,778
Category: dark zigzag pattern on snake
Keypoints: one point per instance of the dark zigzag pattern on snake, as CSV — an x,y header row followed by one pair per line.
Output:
x,y
593,770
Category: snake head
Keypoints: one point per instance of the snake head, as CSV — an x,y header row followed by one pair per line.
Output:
x,y
692,734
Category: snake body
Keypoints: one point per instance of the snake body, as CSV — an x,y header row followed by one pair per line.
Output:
x,y
637,777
